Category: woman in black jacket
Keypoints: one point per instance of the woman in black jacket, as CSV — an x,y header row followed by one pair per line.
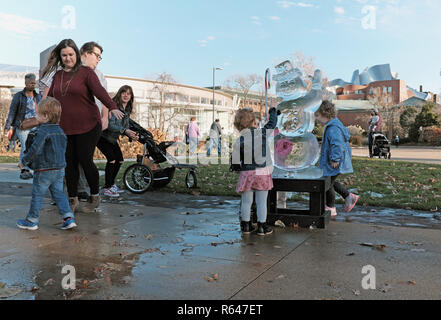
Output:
x,y
108,143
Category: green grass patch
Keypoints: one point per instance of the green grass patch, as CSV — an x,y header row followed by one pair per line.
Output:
x,y
404,185
9,159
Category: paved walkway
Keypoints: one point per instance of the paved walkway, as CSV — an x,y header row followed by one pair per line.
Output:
x,y
164,246
417,154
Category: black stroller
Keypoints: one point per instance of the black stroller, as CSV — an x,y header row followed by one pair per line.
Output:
x,y
381,146
139,178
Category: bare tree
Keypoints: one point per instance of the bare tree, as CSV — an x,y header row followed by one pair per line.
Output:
x,y
165,102
304,63
244,83
307,66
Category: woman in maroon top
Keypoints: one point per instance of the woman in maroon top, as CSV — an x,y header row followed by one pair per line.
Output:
x,y
75,87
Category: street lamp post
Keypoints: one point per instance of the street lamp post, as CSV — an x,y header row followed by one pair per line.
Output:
x,y
214,80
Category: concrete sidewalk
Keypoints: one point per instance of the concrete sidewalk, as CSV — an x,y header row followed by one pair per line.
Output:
x,y
135,251
430,155
172,246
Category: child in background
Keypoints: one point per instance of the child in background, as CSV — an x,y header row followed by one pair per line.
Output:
x,y
46,156
255,174
336,156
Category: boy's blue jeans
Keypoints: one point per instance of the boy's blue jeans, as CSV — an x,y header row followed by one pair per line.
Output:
x,y
52,180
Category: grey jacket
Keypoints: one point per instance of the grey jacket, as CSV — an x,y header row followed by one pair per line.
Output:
x,y
215,130
116,128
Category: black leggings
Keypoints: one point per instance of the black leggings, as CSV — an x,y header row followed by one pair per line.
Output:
x,y
335,186
80,149
114,157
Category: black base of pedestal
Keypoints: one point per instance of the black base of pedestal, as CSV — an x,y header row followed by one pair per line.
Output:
x,y
316,215
303,221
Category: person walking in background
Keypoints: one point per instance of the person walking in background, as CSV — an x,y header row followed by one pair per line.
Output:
x,y
397,141
23,107
193,135
255,174
215,138
336,156
75,87
108,143
375,124
46,156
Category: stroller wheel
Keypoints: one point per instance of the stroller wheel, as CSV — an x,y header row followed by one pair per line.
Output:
x,y
191,180
138,178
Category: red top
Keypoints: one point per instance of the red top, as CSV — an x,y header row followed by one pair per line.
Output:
x,y
79,113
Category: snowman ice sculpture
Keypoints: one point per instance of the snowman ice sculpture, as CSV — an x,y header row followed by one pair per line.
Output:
x,y
296,149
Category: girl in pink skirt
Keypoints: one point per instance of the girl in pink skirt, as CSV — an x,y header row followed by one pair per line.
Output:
x,y
252,158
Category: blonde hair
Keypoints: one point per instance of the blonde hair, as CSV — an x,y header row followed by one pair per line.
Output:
x,y
328,110
244,119
51,108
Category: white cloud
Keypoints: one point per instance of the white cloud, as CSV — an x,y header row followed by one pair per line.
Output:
x,y
339,10
203,43
19,25
274,18
256,20
287,4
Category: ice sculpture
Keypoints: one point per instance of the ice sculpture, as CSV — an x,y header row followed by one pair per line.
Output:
x,y
296,149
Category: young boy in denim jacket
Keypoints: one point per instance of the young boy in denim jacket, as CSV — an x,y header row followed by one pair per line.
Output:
x,y
336,156
46,156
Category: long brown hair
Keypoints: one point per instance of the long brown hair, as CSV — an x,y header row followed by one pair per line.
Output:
x,y
119,102
55,57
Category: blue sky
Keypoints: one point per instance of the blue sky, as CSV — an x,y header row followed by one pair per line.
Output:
x,y
188,38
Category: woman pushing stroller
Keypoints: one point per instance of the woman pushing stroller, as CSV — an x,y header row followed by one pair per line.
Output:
x,y
108,143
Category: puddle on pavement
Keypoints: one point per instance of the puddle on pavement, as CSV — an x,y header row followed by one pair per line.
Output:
x,y
381,216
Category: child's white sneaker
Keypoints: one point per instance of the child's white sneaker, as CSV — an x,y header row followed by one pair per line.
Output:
x,y
333,211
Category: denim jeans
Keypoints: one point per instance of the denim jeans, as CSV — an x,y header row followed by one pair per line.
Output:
x,y
22,136
52,180
193,145
215,142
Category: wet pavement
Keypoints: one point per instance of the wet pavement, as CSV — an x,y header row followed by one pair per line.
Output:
x,y
173,246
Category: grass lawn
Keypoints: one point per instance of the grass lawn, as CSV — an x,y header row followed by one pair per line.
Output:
x,y
403,184
9,159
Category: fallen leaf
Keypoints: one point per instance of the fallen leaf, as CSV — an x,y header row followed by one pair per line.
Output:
x,y
386,288
279,224
411,282
49,282
380,247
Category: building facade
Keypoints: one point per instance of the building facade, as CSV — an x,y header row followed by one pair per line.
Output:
x,y
170,106
253,99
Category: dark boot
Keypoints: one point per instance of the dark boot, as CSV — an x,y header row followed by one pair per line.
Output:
x,y
263,229
246,227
